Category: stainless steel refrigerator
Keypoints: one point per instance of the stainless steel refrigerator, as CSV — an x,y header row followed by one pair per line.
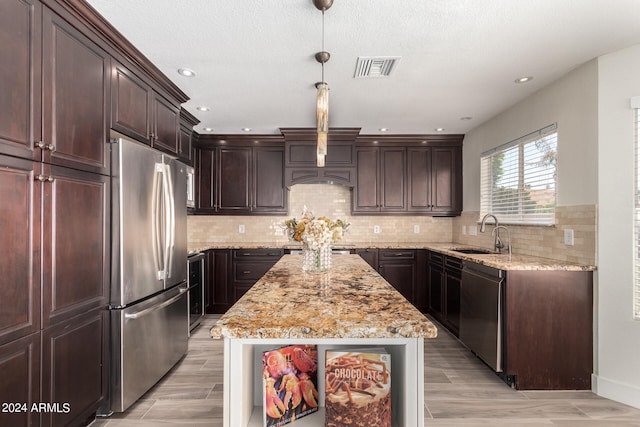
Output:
x,y
149,315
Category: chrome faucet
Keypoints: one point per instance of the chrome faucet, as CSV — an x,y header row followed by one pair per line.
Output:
x,y
500,245
497,245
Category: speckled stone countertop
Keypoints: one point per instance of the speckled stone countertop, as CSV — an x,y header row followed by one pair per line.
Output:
x,y
501,261
350,301
508,262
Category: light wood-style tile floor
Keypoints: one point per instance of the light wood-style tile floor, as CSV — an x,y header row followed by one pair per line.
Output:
x,y
459,391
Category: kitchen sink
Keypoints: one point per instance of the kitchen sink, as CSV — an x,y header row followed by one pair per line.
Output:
x,y
473,251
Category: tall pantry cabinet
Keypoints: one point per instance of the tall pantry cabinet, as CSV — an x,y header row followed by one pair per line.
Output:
x,y
54,218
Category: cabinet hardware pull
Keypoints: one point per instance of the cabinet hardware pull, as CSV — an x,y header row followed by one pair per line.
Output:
x,y
246,272
41,145
43,178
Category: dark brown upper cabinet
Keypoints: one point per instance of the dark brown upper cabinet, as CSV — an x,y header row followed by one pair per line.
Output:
x,y
141,113
55,90
408,174
434,181
187,122
20,74
240,175
380,180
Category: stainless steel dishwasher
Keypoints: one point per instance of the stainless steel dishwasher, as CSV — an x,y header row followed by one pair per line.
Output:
x,y
481,312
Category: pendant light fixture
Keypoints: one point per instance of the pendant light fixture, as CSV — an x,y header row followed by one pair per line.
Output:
x,y
322,101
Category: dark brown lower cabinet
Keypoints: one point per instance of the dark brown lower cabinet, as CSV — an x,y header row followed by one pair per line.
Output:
x,y
435,285
404,269
232,272
55,377
218,290
398,267
370,255
73,379
548,329
443,284
20,384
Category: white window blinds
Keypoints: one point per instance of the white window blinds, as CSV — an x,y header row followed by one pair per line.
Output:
x,y
518,179
636,228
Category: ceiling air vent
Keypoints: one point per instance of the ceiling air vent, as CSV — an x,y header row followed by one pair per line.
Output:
x,y
375,66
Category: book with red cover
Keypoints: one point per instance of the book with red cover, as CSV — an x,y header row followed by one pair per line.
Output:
x,y
290,383
358,388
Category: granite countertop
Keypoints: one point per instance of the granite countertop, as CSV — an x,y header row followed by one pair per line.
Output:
x,y
350,301
500,261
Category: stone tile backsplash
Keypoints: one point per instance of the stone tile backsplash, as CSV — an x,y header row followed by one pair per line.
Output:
x,y
547,242
334,201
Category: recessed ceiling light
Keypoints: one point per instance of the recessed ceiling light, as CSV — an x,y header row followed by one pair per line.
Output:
x,y
208,129
246,129
523,79
383,129
439,129
186,72
202,108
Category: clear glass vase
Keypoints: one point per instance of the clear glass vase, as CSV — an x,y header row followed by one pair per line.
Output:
x,y
316,260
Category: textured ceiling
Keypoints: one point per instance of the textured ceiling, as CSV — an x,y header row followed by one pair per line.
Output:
x,y
255,66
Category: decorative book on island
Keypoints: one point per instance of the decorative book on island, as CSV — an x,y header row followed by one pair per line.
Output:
x,y
358,388
290,383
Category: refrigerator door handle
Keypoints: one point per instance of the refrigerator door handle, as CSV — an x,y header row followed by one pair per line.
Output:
x,y
157,218
170,218
150,310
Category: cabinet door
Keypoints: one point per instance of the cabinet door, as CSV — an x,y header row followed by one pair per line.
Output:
x,y
234,179
421,289
269,191
184,145
206,193
419,179
74,368
392,183
20,373
370,255
219,287
452,305
446,185
75,243
166,123
435,275
20,91
401,274
366,191
20,248
130,104
76,88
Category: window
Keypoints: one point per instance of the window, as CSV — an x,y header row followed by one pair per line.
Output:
x,y
518,179
636,228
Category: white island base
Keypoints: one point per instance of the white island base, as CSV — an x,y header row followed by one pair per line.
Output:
x,y
243,390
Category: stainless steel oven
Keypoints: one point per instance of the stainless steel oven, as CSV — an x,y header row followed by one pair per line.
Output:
x,y
196,283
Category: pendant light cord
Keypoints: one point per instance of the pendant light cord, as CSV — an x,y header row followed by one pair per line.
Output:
x,y
322,65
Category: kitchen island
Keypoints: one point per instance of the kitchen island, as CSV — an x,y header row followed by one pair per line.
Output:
x,y
351,306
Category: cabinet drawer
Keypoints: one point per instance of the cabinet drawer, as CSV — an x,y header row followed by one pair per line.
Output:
x,y
262,254
453,264
436,258
389,254
248,271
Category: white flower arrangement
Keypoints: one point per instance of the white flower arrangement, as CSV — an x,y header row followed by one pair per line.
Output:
x,y
313,232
